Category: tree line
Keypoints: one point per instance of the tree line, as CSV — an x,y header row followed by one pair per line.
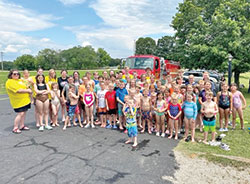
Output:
x,y
206,33
72,58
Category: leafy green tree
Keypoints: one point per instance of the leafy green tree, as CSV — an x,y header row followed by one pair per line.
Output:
x,y
208,31
8,65
48,58
103,58
166,47
25,62
145,46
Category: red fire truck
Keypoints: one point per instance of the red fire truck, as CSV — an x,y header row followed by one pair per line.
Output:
x,y
157,65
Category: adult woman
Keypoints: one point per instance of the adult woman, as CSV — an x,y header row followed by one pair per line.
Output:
x,y
19,96
42,101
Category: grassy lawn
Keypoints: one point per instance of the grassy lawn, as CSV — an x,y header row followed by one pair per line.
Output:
x,y
238,140
3,76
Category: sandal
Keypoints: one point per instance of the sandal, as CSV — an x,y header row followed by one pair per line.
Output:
x,y
25,128
16,131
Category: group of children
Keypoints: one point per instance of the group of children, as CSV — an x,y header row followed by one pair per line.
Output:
x,y
162,106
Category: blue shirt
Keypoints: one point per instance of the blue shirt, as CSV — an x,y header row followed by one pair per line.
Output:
x,y
121,93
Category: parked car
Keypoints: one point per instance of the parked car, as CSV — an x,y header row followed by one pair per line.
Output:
x,y
198,75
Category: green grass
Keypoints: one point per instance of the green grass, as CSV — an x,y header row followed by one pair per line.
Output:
x,y
238,140
3,76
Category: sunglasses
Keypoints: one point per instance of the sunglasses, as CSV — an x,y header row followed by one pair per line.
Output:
x,y
15,74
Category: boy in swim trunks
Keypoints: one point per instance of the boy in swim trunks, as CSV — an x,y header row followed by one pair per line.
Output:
x,y
209,109
146,111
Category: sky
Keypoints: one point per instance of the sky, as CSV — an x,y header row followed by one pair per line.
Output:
x,y
28,26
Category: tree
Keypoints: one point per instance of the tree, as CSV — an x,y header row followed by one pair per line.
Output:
x,y
25,62
145,46
8,65
103,58
208,31
48,58
166,47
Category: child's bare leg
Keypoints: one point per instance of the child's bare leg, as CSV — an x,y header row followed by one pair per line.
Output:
x,y
39,107
221,113
63,112
87,114
176,129
233,118
240,112
79,120
91,115
149,126
120,122
213,136
17,120
143,125
170,121
46,112
186,121
128,141
226,115
114,119
157,124
205,137
162,124
74,120
135,141
192,123
102,120
66,123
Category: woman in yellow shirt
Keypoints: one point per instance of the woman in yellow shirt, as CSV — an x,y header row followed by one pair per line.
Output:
x,y
19,96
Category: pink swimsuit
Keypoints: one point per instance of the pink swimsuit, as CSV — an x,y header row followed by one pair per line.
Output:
x,y
88,98
236,100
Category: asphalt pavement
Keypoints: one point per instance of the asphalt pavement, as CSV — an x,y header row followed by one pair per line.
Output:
x,y
79,155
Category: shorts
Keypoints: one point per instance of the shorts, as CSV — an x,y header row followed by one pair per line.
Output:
x,y
22,109
132,129
71,110
145,115
67,106
111,111
120,107
102,110
209,125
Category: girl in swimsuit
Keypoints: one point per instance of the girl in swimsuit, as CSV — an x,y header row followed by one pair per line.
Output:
x,y
160,107
88,100
238,98
55,103
224,101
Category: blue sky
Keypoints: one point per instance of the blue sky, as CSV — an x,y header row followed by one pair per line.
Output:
x,y
27,26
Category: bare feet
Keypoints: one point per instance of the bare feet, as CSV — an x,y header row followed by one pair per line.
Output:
x,y
170,137
134,145
128,141
64,127
205,142
80,125
176,137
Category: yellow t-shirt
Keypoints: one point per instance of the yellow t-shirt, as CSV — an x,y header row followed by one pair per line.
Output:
x,y
17,100
49,81
34,82
124,76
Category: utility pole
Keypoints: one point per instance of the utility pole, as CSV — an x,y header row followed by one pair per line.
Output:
x,y
2,59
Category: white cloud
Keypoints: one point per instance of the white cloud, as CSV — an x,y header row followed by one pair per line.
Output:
x,y
45,40
126,21
72,2
16,18
84,44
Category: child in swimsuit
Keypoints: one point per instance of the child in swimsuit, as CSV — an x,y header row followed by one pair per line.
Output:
x,y
238,98
174,112
209,109
145,111
88,98
190,112
224,101
160,107
130,113
55,103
